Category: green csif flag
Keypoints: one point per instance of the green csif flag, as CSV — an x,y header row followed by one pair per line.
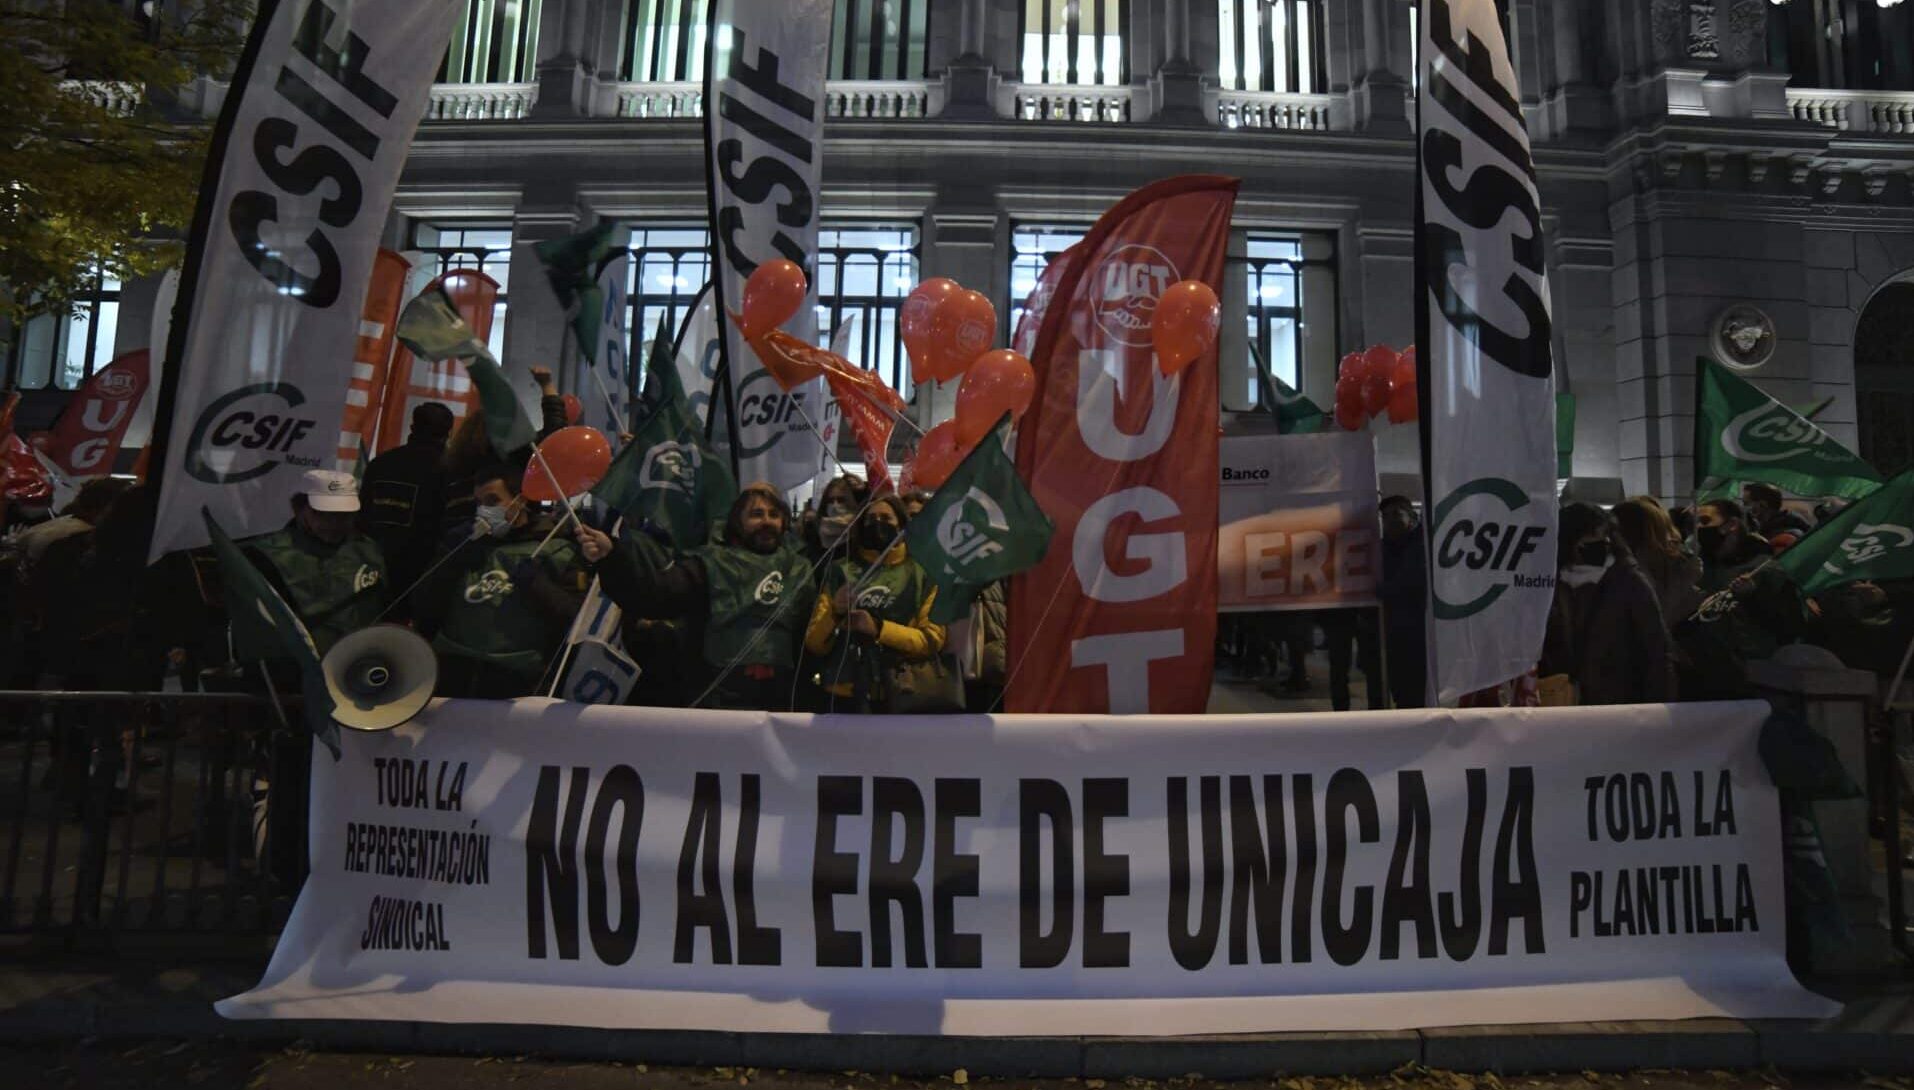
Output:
x,y
1871,540
1742,434
981,526
572,264
667,475
1295,414
265,625
431,327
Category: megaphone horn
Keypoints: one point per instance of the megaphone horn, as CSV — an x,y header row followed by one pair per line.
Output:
x,y
380,677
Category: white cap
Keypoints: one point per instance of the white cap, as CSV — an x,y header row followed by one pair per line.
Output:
x,y
329,490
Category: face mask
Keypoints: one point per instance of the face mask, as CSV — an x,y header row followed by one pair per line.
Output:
x,y
875,535
1710,539
831,528
491,521
835,508
1592,553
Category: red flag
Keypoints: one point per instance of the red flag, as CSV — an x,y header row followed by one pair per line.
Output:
x,y
412,381
1121,614
371,353
869,406
86,439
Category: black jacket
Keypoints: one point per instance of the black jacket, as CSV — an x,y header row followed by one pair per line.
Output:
x,y
402,503
1608,636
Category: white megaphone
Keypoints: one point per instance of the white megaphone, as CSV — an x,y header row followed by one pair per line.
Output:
x,y
379,677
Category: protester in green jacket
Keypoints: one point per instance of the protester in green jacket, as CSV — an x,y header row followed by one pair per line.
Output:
x,y
500,606
331,575
744,597
872,612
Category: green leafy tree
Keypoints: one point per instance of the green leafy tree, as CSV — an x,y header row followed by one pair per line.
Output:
x,y
102,143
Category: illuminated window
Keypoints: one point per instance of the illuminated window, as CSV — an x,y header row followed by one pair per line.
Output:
x,y
496,41
486,247
1271,45
879,39
664,40
61,350
1074,42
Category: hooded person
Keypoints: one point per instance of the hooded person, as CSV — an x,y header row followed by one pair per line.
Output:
x,y
403,494
500,605
872,612
1604,629
743,597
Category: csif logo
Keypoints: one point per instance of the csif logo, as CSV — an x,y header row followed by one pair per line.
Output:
x,y
1127,286
1771,433
770,589
1482,537
247,433
763,404
672,467
959,536
1870,542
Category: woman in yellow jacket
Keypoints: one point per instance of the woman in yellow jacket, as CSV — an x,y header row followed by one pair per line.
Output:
x,y
861,642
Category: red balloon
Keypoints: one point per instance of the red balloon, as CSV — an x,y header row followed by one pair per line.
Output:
x,y
1348,416
1375,392
913,323
1405,373
574,409
1184,325
576,456
1402,404
1379,360
938,454
999,382
1349,388
774,292
962,328
1352,367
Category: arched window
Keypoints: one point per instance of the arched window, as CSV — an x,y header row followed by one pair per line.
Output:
x,y
1271,45
495,41
1074,42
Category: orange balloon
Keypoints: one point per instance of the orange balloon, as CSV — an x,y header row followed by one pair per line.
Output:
x,y
1349,415
962,327
577,456
1376,391
774,292
1185,324
1403,405
574,409
1379,360
1405,369
999,382
938,455
913,322
1353,368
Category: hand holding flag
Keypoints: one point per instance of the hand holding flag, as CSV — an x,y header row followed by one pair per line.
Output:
x,y
431,327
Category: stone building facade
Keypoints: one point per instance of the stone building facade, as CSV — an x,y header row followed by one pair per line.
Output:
x,y
1699,161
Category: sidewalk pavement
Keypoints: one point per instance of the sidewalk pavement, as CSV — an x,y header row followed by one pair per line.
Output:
x,y
119,998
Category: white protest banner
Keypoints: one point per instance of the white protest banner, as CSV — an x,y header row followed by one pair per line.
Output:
x,y
1297,523
539,862
1485,364
764,160
304,161
607,398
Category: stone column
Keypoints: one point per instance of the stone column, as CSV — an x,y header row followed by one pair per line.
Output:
x,y
970,77
1379,88
1176,85
535,325
564,71
967,240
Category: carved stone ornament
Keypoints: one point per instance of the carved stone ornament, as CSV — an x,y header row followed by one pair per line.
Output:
x,y
1704,40
1744,337
1743,25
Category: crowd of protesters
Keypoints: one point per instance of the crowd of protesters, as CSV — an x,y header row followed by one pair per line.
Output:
x,y
825,610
